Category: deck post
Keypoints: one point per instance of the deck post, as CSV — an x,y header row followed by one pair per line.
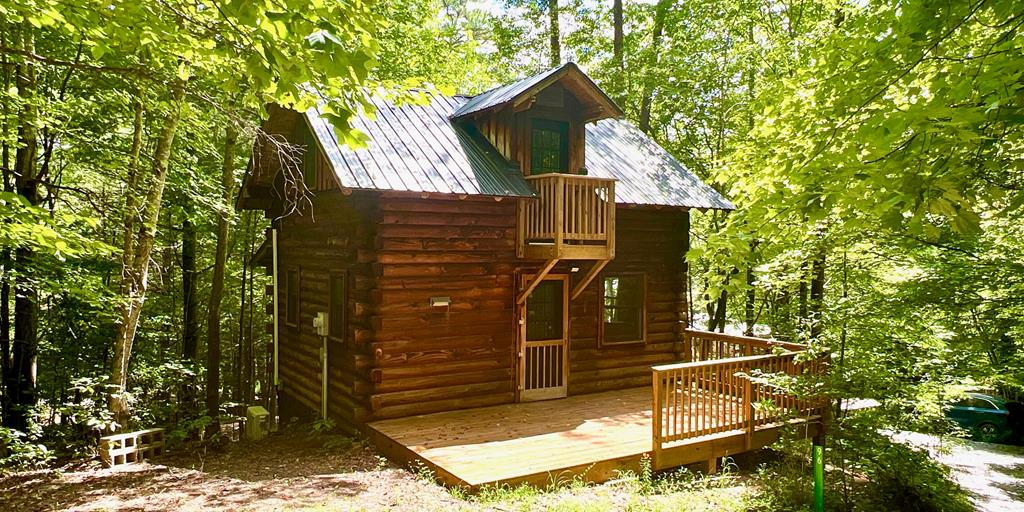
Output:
x,y
711,466
687,346
559,214
656,419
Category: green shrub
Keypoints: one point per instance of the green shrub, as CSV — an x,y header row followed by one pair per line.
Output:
x,y
899,476
19,451
865,470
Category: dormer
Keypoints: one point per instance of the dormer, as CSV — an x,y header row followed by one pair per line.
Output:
x,y
539,122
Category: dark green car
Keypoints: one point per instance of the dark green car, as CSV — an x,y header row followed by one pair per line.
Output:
x,y
984,416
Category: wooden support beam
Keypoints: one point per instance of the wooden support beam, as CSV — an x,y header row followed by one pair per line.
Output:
x,y
536,280
587,278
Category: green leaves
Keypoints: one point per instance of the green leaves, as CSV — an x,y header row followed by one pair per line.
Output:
x,y
59,236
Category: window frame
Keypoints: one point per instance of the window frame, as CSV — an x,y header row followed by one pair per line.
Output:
x,y
343,335
602,335
288,320
563,129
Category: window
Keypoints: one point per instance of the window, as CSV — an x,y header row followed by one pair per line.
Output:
x,y
549,149
309,159
544,310
337,317
623,309
291,297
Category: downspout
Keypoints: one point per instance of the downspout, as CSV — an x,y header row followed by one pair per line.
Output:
x,y
323,379
277,327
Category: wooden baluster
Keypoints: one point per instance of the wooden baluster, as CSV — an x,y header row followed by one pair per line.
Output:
x,y
670,417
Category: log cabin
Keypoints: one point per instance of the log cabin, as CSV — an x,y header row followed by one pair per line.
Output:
x,y
494,278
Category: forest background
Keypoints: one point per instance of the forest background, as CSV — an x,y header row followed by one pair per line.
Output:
x,y
873,149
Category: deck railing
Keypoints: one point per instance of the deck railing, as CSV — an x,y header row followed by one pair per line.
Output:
x,y
570,210
705,345
729,393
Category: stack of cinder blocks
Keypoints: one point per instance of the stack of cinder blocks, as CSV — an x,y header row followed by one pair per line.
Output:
x,y
131,447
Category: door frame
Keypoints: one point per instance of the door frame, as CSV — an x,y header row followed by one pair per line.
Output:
x,y
520,374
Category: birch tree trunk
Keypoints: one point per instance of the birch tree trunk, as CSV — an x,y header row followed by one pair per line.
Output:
x,y
136,268
213,347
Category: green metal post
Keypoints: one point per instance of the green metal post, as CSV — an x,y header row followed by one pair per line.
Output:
x,y
818,458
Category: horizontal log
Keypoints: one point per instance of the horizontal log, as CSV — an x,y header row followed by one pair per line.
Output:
x,y
443,219
448,283
430,205
427,407
485,245
385,374
444,380
444,270
397,231
608,384
426,357
382,400
440,257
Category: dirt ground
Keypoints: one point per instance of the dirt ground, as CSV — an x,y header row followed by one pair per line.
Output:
x,y
280,472
302,471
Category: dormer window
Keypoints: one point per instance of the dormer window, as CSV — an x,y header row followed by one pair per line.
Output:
x,y
549,148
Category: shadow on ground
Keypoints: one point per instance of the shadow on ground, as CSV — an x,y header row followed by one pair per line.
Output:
x,y
282,471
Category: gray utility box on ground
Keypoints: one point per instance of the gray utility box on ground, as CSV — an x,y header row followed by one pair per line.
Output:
x,y
257,423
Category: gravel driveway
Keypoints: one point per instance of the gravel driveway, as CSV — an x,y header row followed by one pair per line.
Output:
x,y
992,473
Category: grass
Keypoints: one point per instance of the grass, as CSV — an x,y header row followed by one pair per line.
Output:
x,y
644,490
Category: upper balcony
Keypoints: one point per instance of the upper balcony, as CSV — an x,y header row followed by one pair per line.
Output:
x,y
573,217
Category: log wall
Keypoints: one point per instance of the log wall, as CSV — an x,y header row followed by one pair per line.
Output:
x,y
651,241
404,357
429,359
336,235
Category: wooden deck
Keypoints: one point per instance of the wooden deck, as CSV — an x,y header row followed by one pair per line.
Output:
x,y
710,407
592,435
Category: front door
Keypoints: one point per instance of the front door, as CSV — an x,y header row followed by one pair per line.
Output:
x,y
544,341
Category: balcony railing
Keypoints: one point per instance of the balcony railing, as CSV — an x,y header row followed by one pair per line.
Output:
x,y
573,217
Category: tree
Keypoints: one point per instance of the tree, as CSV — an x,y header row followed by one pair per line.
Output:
x,y
213,323
554,34
617,56
26,305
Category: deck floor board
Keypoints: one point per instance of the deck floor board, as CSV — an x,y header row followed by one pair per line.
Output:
x,y
508,442
592,435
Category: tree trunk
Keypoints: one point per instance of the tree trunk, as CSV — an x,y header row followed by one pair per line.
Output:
x,y
250,339
554,34
7,70
26,306
647,101
817,293
134,278
217,288
802,293
617,56
239,394
189,286
748,305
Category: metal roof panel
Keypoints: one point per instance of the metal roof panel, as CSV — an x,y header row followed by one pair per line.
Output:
x,y
418,148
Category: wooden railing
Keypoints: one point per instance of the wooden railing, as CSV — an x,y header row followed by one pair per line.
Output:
x,y
570,211
732,394
705,345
